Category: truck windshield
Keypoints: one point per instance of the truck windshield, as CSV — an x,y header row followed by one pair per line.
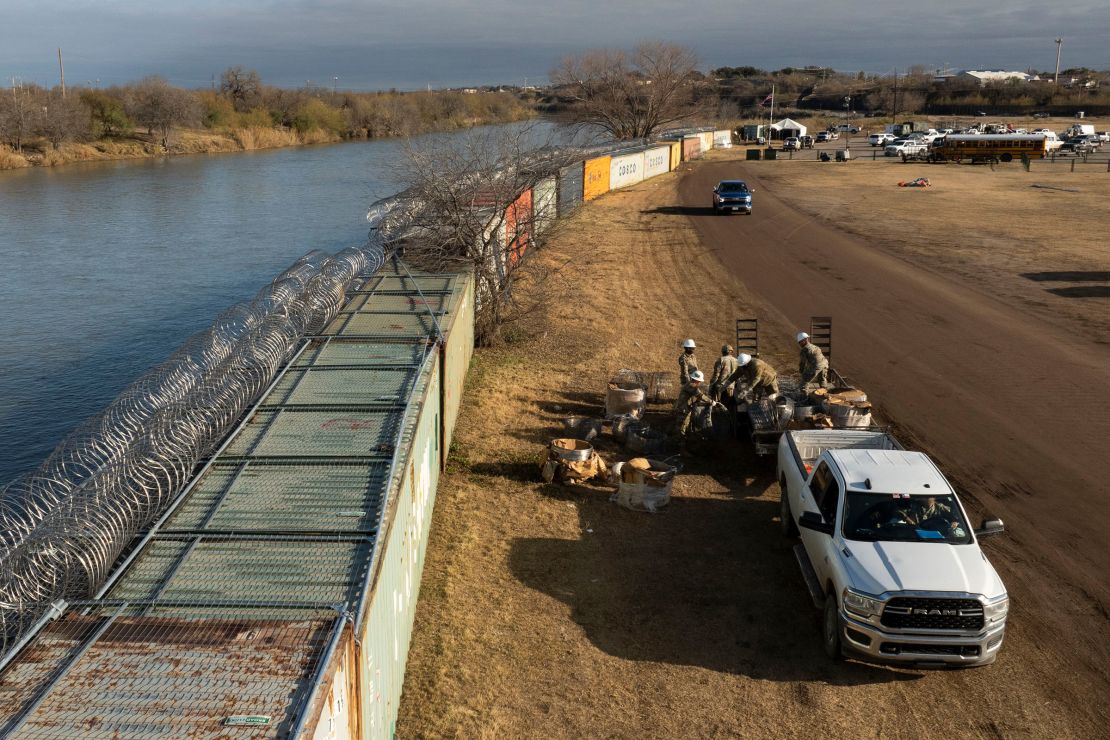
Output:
x,y
899,517
733,187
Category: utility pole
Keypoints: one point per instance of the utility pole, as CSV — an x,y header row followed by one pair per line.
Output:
x,y
771,116
1056,79
62,72
334,84
894,114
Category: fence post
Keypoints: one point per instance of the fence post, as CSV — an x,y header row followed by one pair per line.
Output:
x,y
1073,165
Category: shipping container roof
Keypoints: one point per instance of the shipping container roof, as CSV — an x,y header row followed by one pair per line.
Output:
x,y
219,621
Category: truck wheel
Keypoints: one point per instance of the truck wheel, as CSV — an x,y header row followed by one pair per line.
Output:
x,y
830,628
789,526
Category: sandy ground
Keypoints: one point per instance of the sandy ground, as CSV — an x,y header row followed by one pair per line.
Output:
x,y
548,611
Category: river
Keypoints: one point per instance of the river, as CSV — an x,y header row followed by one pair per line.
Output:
x,y
108,267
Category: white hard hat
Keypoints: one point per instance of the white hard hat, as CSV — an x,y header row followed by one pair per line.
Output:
x,y
743,359
689,344
801,335
697,375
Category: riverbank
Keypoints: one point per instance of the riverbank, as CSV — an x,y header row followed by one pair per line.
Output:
x,y
139,145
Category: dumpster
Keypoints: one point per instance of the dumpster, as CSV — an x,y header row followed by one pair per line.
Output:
x,y
754,154
770,153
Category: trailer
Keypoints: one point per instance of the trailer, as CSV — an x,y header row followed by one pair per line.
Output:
x,y
767,419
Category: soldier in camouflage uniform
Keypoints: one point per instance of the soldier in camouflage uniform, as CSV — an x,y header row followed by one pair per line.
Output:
x,y
687,362
720,387
757,374
689,398
812,365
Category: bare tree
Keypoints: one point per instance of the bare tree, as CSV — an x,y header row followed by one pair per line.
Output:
x,y
630,96
62,119
467,207
243,86
20,110
160,107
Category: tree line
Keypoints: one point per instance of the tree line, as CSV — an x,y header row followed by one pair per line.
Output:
x,y
635,94
36,117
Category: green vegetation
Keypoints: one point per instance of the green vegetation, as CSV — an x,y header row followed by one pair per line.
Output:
x,y
152,117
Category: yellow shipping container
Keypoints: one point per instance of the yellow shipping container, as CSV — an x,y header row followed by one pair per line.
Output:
x,y
596,180
676,155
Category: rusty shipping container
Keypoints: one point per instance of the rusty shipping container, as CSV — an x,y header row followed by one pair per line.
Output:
x,y
595,176
275,598
518,227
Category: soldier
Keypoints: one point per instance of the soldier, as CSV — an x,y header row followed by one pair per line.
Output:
x,y
689,398
812,365
687,363
720,387
759,376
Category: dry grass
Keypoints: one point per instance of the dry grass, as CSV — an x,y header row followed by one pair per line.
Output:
x,y
257,137
186,142
9,160
990,226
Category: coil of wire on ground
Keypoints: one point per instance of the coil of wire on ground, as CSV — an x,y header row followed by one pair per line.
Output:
x,y
64,524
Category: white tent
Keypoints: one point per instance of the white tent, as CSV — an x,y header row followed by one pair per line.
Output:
x,y
788,127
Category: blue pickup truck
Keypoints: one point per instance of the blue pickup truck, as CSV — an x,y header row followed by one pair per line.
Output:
x,y
732,195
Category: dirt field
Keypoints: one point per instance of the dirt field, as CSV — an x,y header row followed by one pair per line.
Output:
x,y
1043,247
550,612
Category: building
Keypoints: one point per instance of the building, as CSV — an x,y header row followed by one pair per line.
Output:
x,y
987,76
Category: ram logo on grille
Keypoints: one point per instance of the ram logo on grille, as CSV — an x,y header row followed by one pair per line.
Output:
x,y
938,612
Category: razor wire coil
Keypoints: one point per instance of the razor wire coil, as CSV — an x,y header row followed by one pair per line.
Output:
x,y
64,524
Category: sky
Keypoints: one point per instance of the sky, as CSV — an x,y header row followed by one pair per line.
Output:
x,y
411,44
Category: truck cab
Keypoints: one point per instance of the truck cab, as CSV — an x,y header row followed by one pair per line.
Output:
x,y
888,551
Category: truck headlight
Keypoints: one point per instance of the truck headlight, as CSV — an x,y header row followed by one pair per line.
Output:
x,y
862,604
996,611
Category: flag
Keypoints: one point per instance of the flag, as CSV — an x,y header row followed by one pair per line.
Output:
x,y
767,100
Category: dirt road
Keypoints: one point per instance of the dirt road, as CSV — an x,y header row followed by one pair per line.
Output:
x,y
1015,406
547,611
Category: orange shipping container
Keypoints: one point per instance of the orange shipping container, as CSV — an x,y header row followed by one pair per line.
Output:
x,y
596,177
518,227
676,154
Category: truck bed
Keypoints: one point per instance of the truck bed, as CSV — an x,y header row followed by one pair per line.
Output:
x,y
808,444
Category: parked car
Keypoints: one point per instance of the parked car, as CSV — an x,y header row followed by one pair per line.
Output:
x,y
880,139
823,136
732,195
806,142
1104,136
791,144
1041,114
905,148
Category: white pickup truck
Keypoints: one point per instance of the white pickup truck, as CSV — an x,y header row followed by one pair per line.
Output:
x,y
887,551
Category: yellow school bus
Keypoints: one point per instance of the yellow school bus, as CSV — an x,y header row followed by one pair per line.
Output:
x,y
988,147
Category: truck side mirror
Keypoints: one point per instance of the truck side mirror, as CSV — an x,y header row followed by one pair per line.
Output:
x,y
812,520
990,527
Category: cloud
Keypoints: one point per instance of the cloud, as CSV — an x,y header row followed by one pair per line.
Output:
x,y
405,44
